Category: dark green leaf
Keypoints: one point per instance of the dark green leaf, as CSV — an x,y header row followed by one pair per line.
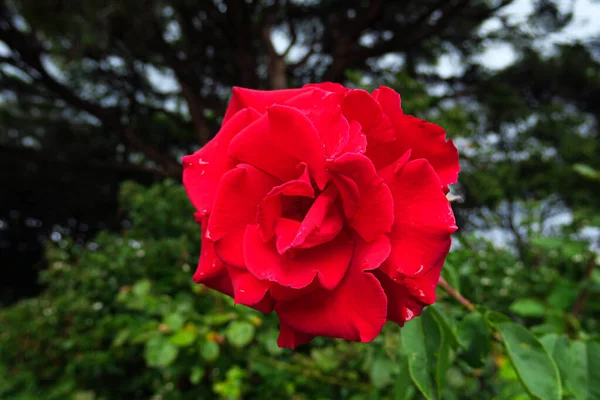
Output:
x,y
403,388
427,350
381,372
183,338
474,337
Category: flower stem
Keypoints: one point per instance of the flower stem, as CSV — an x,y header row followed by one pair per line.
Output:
x,y
454,293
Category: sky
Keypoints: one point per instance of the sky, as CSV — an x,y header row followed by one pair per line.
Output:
x,y
499,56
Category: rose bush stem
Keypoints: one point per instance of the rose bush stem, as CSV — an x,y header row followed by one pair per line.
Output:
x,y
454,293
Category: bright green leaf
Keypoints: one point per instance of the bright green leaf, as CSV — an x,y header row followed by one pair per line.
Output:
x,y
160,352
209,350
196,375
536,369
174,321
240,333
528,308
183,338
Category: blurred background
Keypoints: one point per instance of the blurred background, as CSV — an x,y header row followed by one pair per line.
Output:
x,y
99,100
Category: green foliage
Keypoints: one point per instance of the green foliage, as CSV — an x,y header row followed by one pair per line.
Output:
x,y
120,318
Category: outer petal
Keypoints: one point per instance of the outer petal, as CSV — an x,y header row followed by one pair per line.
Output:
x,y
209,265
203,169
407,297
329,86
257,99
423,220
248,290
291,338
355,310
238,196
295,134
360,106
375,214
230,248
424,139
328,262
220,283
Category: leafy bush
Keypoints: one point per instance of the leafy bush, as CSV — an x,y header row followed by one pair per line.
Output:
x,y
121,319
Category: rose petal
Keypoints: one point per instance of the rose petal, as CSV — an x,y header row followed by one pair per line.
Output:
x,y
203,169
237,198
290,338
423,223
257,99
357,141
296,135
254,146
424,139
355,310
375,214
220,283
270,207
407,297
248,290
327,262
360,106
324,111
311,225
328,86
230,248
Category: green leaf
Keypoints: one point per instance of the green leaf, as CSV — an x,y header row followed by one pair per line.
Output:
x,y
326,359
196,375
381,372
427,351
474,337
446,323
493,318
160,352
536,369
209,350
528,308
174,321
141,288
586,171
183,337
451,275
403,388
240,333
583,378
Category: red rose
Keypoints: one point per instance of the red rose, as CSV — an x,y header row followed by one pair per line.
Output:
x,y
325,204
